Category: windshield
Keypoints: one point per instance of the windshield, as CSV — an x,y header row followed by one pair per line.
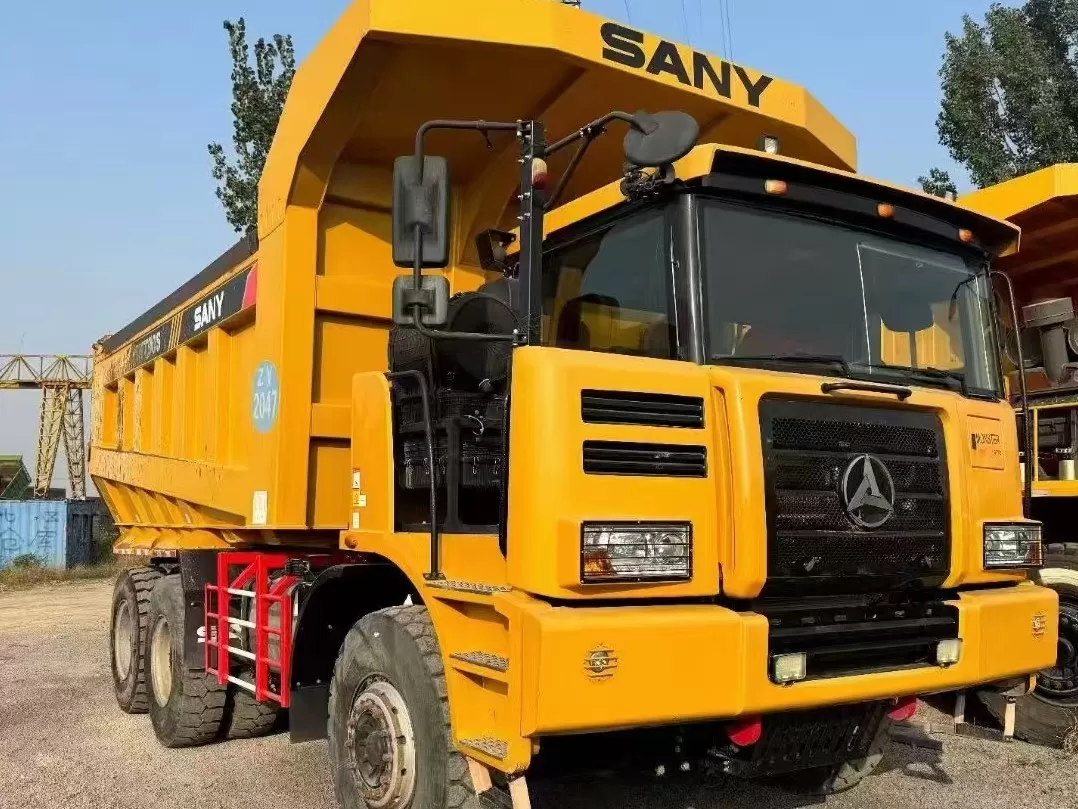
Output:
x,y
822,298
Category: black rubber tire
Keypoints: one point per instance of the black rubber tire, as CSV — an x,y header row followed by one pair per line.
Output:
x,y
399,645
246,717
133,587
1036,719
825,781
195,705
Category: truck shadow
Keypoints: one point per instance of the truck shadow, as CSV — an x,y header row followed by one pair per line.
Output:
x,y
643,792
923,760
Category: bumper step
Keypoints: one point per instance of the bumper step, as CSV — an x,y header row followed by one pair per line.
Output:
x,y
495,748
484,660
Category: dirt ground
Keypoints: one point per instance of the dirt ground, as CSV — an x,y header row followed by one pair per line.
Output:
x,y
64,743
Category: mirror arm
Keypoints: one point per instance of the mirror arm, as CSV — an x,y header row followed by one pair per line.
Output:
x,y
594,127
571,168
1027,417
586,134
446,123
417,308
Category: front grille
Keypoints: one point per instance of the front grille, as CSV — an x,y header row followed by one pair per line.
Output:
x,y
815,541
843,639
654,460
642,409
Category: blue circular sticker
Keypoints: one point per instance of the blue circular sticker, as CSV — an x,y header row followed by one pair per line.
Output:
x,y
265,398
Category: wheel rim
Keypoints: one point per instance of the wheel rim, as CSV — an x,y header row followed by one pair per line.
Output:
x,y
123,636
1060,682
161,661
381,746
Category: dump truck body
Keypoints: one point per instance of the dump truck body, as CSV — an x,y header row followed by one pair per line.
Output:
x,y
706,419
1043,273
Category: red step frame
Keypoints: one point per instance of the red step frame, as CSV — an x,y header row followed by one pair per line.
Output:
x,y
255,569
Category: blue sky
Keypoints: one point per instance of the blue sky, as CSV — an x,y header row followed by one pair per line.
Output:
x,y
106,109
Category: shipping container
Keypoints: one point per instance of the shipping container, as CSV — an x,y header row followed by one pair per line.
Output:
x,y
59,533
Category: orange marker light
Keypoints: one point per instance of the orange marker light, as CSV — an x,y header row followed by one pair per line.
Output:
x,y
965,235
539,173
775,186
885,210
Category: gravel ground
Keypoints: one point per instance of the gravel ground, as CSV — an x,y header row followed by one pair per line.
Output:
x,y
64,743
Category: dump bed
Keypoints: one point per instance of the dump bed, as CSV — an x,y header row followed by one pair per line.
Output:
x,y
225,408
1044,205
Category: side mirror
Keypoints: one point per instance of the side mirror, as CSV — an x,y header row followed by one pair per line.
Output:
x,y
432,298
421,198
658,139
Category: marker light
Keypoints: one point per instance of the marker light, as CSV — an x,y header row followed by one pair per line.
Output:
x,y
965,235
769,144
777,187
886,211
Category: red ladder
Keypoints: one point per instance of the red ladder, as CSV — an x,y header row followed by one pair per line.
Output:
x,y
251,582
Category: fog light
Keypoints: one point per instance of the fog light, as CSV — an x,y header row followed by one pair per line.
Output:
x,y
948,651
789,668
1014,545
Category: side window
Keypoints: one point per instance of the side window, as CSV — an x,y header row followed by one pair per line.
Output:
x,y
611,290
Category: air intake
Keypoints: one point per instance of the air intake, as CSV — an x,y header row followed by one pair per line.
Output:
x,y
642,409
651,460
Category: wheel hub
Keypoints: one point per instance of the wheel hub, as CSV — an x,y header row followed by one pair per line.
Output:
x,y
161,661
381,746
123,635
1060,682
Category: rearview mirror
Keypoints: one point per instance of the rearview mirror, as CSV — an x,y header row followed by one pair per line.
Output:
x,y
658,139
432,298
421,198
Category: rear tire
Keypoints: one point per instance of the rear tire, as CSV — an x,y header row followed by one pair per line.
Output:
x,y
389,738
186,707
246,717
127,637
1048,715
824,781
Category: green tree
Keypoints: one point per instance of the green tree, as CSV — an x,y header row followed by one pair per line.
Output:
x,y
258,96
1010,93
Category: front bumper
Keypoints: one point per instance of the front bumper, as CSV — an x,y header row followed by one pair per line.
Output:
x,y
604,668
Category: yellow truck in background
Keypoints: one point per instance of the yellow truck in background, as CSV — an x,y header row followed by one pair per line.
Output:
x,y
498,450
1044,274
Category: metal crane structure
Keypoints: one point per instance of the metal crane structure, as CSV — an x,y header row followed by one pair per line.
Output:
x,y
61,378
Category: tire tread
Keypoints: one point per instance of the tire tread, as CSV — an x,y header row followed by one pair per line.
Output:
x,y
415,620
142,579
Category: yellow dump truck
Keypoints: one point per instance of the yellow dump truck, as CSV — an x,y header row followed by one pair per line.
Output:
x,y
534,429
1044,273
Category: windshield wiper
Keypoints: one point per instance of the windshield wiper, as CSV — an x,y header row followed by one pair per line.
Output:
x,y
836,361
952,380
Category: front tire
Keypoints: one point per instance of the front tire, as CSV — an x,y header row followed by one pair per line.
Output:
x,y
1047,715
186,707
127,637
389,738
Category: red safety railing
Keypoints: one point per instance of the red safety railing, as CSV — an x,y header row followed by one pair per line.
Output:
x,y
247,575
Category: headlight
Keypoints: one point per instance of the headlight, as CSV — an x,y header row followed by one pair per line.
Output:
x,y
628,551
1014,545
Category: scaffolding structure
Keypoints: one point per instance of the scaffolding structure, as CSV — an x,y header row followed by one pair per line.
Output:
x,y
61,378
